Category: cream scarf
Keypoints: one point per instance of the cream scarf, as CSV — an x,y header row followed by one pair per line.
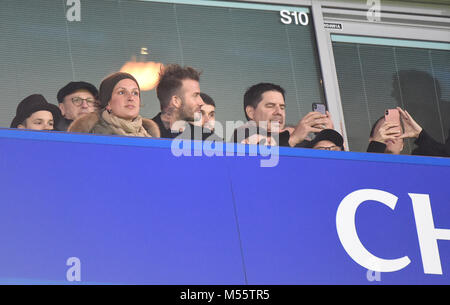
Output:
x,y
125,127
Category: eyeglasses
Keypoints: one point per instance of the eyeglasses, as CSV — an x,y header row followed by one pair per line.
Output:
x,y
77,101
335,148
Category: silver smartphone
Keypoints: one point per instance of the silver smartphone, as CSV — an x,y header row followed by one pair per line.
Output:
x,y
319,107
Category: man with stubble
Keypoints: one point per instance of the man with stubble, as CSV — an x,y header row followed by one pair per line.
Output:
x,y
178,92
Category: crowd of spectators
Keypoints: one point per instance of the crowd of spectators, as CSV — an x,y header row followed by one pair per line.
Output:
x,y
114,109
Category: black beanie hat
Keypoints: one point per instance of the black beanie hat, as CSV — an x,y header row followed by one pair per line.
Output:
x,y
329,135
75,86
108,84
32,104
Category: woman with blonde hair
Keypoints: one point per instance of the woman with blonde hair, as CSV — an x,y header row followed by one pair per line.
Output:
x,y
119,104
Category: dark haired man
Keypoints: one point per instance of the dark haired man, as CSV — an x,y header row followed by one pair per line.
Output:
x,y
178,92
208,111
75,100
264,106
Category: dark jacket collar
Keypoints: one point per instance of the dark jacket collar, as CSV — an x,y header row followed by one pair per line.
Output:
x,y
165,132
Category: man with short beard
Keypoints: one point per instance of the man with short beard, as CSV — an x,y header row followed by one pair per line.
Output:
x,y
178,92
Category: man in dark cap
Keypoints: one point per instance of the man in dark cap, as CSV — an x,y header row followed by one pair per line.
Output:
x,y
327,139
75,100
34,112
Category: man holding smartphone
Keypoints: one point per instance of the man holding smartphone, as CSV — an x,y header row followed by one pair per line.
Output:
x,y
264,105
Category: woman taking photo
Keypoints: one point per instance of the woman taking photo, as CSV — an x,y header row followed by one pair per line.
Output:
x,y
119,103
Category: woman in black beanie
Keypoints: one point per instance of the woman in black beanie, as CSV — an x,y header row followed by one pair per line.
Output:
x,y
119,101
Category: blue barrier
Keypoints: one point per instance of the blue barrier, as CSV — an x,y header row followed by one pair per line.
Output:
x,y
117,210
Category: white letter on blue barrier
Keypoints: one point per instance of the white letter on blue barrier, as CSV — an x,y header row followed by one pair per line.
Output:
x,y
73,274
428,234
346,229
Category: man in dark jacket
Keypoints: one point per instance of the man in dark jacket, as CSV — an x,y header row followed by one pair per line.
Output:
x,y
265,110
178,92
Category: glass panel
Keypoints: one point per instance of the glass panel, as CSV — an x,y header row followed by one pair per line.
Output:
x,y
378,74
236,45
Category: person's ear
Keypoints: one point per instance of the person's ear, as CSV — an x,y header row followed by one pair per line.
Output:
x,y
176,101
62,108
20,126
250,111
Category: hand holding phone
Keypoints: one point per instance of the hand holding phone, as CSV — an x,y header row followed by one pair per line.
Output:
x,y
410,127
322,109
392,116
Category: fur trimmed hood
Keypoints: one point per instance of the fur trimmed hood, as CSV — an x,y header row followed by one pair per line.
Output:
x,y
86,124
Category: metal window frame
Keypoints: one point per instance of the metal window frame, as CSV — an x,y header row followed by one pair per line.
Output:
x,y
405,27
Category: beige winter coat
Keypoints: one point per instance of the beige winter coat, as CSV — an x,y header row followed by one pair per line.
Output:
x,y
93,123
